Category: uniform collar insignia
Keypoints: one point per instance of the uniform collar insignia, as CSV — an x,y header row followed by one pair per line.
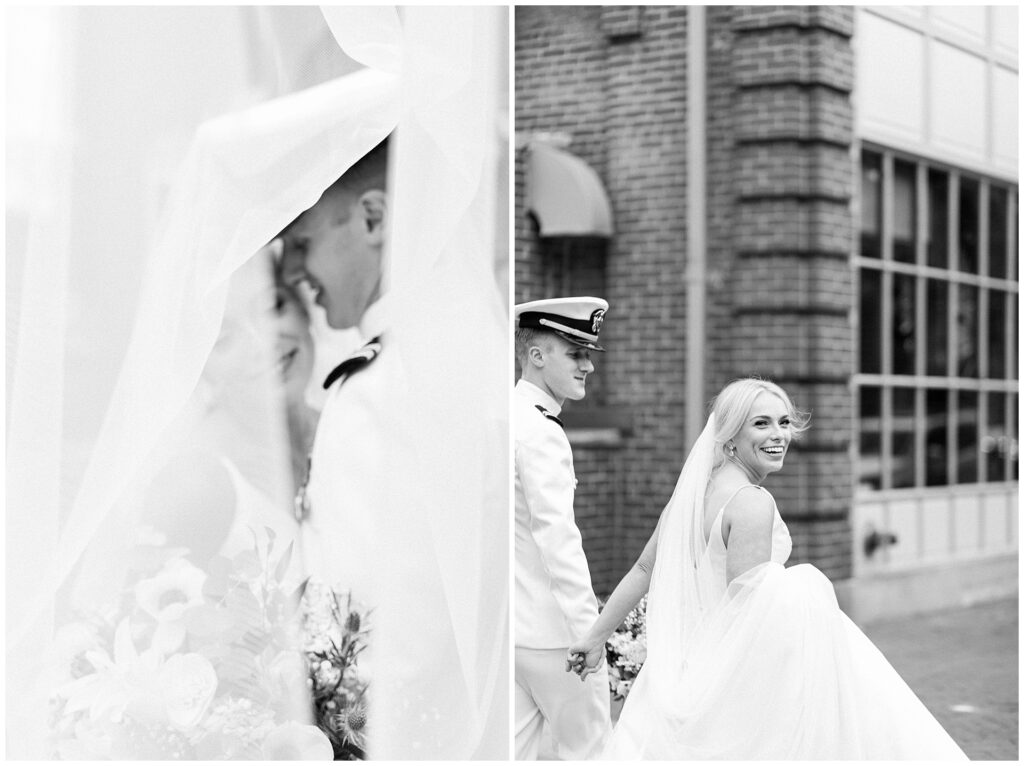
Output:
x,y
356,361
549,416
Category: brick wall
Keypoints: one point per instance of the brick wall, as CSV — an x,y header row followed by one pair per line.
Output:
x,y
528,281
599,510
645,131
779,236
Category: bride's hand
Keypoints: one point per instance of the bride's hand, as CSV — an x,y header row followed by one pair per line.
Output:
x,y
584,658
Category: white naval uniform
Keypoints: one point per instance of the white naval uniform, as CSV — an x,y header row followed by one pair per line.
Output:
x,y
555,603
348,474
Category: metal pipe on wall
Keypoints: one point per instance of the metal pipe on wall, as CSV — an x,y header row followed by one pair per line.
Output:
x,y
696,219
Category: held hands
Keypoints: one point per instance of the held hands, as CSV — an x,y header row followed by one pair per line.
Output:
x,y
584,658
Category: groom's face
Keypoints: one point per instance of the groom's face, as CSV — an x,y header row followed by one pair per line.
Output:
x,y
565,370
328,248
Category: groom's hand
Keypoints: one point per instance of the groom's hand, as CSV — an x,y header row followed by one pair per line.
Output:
x,y
584,660
574,662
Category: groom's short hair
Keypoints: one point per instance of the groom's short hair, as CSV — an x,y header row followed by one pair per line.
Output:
x,y
369,172
527,338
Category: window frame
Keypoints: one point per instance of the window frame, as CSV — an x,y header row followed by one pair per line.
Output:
x,y
920,382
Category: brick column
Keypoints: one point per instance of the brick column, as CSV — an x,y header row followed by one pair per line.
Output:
x,y
789,287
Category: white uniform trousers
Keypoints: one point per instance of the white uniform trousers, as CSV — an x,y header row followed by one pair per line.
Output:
x,y
576,711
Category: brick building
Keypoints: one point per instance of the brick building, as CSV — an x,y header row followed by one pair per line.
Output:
x,y
802,193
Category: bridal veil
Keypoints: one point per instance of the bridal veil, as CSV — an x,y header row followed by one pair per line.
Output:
x,y
676,601
153,155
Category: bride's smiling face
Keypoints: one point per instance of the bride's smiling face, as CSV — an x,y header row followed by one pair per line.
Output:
x,y
763,439
294,345
264,342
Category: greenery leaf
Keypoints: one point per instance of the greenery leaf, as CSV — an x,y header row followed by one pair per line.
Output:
x,y
205,621
247,565
282,565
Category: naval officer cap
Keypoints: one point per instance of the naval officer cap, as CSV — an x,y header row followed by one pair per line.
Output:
x,y
578,320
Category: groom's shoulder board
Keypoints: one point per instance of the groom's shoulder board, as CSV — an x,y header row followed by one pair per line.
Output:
x,y
355,362
549,416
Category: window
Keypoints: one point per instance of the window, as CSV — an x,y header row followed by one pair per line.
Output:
x,y
936,384
578,266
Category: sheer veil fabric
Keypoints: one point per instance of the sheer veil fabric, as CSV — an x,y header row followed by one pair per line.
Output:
x,y
443,691
766,668
143,378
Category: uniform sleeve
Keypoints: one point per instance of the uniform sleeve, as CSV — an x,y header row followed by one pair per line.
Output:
x,y
545,466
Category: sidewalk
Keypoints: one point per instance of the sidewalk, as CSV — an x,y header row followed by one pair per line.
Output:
x,y
963,664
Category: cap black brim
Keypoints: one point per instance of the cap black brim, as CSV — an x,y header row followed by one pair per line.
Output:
x,y
578,341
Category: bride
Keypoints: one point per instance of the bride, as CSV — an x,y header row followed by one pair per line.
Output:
x,y
748,659
230,480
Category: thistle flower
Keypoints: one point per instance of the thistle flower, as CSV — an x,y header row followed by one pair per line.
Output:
x,y
353,622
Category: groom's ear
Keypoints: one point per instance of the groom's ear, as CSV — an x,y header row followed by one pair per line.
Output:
x,y
373,207
536,356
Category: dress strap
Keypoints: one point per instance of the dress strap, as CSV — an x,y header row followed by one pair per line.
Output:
x,y
733,495
721,511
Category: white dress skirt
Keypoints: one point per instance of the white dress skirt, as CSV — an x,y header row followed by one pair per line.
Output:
x,y
775,670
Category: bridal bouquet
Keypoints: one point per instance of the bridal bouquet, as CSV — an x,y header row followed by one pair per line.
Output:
x,y
187,664
335,629
626,651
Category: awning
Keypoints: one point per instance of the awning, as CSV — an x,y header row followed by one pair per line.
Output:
x,y
565,195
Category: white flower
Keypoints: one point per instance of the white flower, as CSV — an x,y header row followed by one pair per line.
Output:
x,y
127,678
617,641
188,682
141,686
297,742
70,642
327,674
320,626
636,652
167,596
358,675
288,673
172,590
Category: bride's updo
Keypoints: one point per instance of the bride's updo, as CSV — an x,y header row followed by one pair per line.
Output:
x,y
732,406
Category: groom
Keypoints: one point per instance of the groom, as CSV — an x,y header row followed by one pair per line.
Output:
x,y
336,247
555,602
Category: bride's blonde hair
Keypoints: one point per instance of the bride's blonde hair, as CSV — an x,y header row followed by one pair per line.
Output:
x,y
732,406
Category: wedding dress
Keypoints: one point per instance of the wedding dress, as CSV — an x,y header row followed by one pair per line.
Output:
x,y
766,667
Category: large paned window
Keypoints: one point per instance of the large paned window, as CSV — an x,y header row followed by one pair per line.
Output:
x,y
937,393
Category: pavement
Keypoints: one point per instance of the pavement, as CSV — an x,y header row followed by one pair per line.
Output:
x,y
963,663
